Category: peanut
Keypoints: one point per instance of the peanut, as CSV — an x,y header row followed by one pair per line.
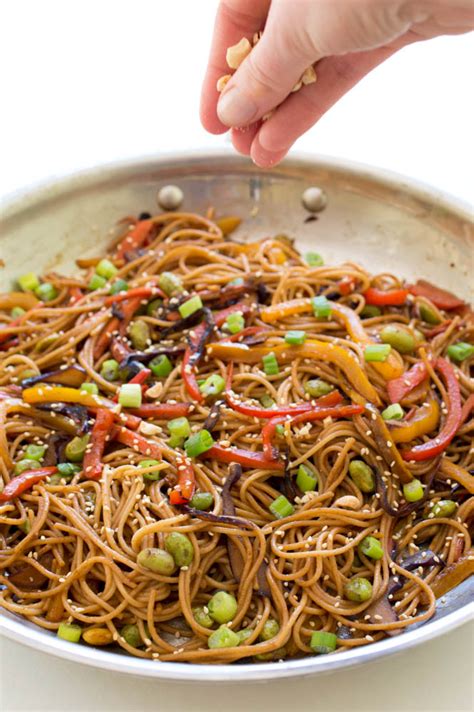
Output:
x,y
98,636
236,54
347,502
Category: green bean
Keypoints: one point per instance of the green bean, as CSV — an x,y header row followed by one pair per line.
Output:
x,y
131,634
139,333
358,589
399,338
203,618
223,637
362,475
222,607
270,629
180,548
157,560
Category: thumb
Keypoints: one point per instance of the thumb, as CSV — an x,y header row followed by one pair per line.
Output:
x,y
265,77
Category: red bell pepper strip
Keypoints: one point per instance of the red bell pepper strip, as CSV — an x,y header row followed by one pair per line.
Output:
x,y
400,387
388,298
192,354
268,430
92,465
347,285
161,411
137,442
184,490
332,398
75,293
115,324
248,331
439,297
434,447
136,238
141,292
141,376
246,458
467,409
25,481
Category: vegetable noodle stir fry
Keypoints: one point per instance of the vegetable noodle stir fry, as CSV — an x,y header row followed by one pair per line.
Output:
x,y
214,451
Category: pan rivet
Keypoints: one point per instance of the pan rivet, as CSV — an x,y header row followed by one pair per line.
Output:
x,y
314,199
170,197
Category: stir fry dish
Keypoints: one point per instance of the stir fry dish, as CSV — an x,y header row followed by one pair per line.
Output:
x,y
216,451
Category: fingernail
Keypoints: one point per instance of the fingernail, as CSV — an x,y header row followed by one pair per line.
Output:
x,y
262,157
235,108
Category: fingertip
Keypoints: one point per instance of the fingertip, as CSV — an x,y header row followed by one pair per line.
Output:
x,y
262,157
208,114
242,138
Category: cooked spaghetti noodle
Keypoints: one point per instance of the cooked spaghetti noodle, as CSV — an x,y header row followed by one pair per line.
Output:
x,y
306,428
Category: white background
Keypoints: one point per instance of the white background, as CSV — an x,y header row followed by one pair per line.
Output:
x,y
93,81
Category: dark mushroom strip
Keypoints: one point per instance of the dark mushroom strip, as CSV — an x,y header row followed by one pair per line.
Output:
x,y
73,376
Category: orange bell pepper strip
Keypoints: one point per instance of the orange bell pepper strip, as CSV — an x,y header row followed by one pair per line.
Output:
x,y
63,394
136,238
142,292
116,325
400,387
423,422
439,297
389,369
382,298
311,349
137,442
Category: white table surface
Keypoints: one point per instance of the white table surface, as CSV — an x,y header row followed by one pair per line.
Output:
x,y
87,82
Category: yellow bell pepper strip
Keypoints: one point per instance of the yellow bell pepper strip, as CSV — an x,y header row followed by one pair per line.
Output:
x,y
423,422
387,447
453,575
450,471
432,448
62,394
311,349
25,300
391,368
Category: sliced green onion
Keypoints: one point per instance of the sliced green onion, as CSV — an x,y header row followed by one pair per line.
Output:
x,y
444,508
295,337
280,430
170,283
323,642
91,388
313,259
306,479
70,632
428,315
96,282
120,285
26,464
202,501
460,351
377,352
393,412
150,476
110,370
321,307
358,589
234,323
106,269
413,491
198,443
237,282
46,292
316,387
35,452
267,401
28,282
202,618
153,306
223,637
76,448
213,385
371,547
370,311
362,475
270,364
139,333
281,507
179,429
190,306
222,607
161,366
67,470
16,312
399,338
130,395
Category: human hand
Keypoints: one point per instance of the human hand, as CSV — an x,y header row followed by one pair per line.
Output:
x,y
347,39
